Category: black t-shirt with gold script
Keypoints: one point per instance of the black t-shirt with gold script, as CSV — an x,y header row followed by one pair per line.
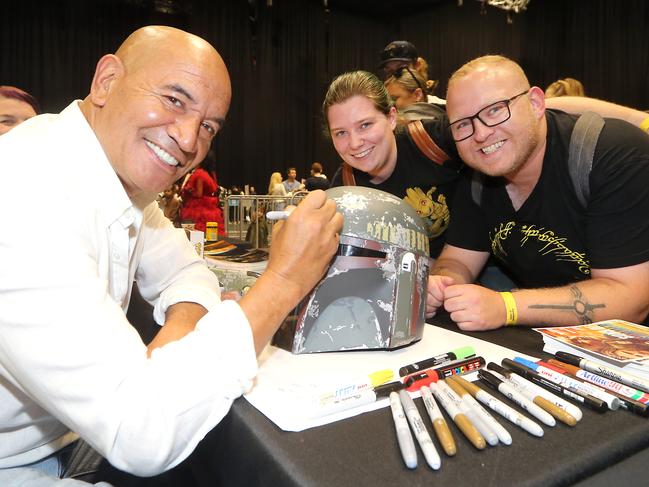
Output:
x,y
552,240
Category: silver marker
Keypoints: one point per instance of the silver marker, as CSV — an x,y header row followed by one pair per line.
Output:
x,y
406,444
421,433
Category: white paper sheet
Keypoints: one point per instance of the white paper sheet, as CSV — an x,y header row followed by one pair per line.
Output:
x,y
286,382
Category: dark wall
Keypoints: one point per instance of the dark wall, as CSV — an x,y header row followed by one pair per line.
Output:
x,y
281,58
599,42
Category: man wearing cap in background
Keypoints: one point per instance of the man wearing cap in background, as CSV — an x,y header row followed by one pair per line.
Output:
x,y
403,54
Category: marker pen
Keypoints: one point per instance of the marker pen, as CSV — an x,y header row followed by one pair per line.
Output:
x,y
360,398
605,370
437,360
421,433
515,396
460,420
332,394
460,367
487,433
442,431
404,438
586,399
531,391
632,399
540,401
562,379
491,422
501,408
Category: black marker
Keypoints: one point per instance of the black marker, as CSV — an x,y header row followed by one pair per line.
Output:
x,y
445,358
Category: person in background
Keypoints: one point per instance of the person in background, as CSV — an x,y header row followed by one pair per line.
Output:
x,y
409,90
275,186
200,200
170,204
398,55
317,180
291,184
153,110
565,87
16,106
574,264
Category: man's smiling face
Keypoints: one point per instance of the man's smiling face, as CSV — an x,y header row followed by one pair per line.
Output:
x,y
501,149
160,110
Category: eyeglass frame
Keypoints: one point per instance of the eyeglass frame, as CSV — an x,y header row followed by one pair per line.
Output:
x,y
506,101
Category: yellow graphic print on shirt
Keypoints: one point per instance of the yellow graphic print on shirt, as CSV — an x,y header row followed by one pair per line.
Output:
x,y
434,211
553,244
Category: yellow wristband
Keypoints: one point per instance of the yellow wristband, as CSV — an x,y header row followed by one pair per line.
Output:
x,y
644,126
510,309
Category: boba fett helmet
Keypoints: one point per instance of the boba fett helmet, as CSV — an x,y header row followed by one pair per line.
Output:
x,y
374,293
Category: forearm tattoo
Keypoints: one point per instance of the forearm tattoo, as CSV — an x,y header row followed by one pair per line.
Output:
x,y
582,309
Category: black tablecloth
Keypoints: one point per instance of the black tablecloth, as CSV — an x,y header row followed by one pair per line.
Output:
x,y
247,449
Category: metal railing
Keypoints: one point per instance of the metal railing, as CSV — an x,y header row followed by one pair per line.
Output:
x,y
245,216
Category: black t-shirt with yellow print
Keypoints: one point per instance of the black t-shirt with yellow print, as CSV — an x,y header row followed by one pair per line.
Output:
x,y
423,184
552,240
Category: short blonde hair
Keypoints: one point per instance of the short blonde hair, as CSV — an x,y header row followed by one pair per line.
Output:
x,y
490,60
565,87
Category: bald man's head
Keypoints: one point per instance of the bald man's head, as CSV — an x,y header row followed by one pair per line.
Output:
x,y
497,119
155,106
490,63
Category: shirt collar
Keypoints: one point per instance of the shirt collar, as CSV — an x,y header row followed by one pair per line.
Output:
x,y
102,183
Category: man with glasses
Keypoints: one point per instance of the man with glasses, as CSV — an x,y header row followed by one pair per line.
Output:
x,y
574,264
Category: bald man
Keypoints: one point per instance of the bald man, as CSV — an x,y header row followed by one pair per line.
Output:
x,y
574,264
71,365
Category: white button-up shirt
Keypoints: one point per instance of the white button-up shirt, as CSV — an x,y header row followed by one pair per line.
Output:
x,y
71,247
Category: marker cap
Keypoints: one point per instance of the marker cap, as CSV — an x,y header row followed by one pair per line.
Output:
x,y
385,389
381,377
464,352
568,358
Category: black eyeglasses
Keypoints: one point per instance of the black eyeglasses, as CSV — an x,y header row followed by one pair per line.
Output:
x,y
399,72
491,115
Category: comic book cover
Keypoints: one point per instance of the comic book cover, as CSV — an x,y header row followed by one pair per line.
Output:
x,y
615,342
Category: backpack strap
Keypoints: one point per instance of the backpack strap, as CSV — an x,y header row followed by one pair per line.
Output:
x,y
477,183
425,143
581,151
348,175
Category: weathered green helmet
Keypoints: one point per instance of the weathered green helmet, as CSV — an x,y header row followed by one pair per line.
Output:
x,y
374,293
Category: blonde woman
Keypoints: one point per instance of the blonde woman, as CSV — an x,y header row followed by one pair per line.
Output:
x,y
275,186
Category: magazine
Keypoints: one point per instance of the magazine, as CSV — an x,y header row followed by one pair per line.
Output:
x,y
612,342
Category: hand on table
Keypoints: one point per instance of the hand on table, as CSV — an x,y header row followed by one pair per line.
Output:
x,y
474,308
435,294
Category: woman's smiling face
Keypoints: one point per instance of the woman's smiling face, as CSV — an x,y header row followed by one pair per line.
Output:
x,y
364,137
